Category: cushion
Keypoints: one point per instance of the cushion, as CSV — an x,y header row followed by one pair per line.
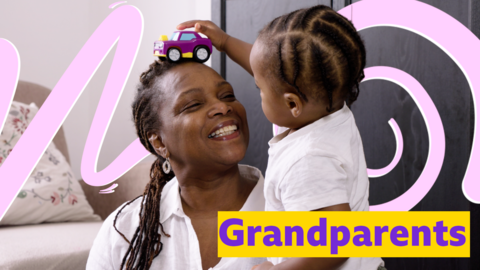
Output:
x,y
51,193
47,246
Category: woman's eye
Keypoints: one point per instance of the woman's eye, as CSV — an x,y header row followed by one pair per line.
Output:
x,y
232,96
191,106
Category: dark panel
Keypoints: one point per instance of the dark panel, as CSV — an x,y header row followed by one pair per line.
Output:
x,y
474,208
339,4
216,18
381,100
245,18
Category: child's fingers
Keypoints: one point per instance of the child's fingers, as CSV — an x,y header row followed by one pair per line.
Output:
x,y
187,24
201,28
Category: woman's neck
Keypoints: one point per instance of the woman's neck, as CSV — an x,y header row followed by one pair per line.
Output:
x,y
226,191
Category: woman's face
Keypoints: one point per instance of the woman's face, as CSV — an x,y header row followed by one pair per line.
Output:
x,y
203,124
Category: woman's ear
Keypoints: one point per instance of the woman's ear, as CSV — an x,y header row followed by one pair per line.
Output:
x,y
294,103
157,143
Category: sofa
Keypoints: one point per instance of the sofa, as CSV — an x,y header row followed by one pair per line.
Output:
x,y
64,245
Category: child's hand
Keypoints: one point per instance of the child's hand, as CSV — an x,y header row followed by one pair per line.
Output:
x,y
263,266
209,29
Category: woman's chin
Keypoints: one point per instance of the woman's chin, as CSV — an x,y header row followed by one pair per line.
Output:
x,y
232,156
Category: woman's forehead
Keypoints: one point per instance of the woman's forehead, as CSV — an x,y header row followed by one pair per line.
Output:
x,y
184,78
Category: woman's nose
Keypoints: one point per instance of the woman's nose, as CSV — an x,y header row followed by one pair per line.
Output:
x,y
219,108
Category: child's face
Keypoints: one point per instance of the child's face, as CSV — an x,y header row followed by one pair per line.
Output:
x,y
274,105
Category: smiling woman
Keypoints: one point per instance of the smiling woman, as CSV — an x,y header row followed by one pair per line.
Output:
x,y
188,117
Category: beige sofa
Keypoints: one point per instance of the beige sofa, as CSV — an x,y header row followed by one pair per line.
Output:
x,y
63,245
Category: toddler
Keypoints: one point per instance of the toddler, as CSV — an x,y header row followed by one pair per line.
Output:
x,y
308,65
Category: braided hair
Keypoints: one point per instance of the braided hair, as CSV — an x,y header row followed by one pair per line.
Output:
x,y
145,244
317,53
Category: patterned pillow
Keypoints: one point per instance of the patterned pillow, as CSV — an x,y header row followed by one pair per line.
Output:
x,y
51,193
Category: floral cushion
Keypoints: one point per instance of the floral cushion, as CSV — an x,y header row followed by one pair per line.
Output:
x,y
51,193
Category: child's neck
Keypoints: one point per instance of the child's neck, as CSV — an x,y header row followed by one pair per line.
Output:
x,y
313,118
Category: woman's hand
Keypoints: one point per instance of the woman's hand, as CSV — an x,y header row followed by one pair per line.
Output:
x,y
209,29
263,266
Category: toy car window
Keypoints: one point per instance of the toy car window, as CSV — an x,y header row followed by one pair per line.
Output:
x,y
188,36
174,36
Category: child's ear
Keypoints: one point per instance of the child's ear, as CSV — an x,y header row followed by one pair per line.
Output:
x,y
294,103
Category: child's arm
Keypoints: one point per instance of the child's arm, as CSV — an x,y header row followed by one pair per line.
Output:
x,y
237,50
309,263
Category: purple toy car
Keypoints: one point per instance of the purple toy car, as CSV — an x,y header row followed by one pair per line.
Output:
x,y
183,44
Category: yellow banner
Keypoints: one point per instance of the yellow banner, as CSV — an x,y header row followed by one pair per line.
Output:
x,y
343,234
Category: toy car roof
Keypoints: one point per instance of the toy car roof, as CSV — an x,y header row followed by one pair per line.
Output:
x,y
179,31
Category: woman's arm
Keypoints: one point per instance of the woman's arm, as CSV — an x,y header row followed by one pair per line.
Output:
x,y
236,49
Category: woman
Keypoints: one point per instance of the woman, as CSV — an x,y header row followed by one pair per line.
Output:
x,y
187,116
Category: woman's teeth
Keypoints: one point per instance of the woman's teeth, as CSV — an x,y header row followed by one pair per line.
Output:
x,y
224,131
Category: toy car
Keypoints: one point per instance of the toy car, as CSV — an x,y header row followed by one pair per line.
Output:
x,y
183,44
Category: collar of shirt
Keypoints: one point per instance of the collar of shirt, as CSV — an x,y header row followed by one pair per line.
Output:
x,y
336,118
171,202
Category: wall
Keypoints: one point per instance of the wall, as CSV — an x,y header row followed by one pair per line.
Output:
x,y
49,33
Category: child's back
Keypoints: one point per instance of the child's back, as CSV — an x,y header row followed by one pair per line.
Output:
x,y
318,166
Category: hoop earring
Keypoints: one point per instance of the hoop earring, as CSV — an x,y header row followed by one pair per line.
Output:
x,y
166,166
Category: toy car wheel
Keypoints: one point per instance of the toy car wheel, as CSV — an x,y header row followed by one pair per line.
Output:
x,y
174,54
201,54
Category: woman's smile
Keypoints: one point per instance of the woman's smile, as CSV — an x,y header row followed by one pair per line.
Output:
x,y
226,130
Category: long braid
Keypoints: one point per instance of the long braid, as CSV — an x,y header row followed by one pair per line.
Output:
x,y
146,244
323,44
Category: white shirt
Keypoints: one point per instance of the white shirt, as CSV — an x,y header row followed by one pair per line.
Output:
x,y
181,250
317,166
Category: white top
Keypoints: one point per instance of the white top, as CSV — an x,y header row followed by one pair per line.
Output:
x,y
181,250
317,166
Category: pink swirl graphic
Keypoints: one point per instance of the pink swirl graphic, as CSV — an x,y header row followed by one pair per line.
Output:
x,y
112,6
124,27
109,189
456,41
9,72
398,152
436,136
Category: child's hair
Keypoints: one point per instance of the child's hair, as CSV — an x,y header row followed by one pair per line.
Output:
x,y
145,244
316,50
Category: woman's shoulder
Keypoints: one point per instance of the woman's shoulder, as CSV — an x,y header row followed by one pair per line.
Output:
x,y
127,214
256,199
250,172
109,243
125,218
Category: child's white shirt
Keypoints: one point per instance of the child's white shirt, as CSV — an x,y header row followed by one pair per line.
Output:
x,y
317,166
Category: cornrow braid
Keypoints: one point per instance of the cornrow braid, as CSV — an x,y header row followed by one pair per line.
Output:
x,y
327,30
282,73
146,243
348,26
279,54
318,55
296,62
304,17
271,25
327,55
286,20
